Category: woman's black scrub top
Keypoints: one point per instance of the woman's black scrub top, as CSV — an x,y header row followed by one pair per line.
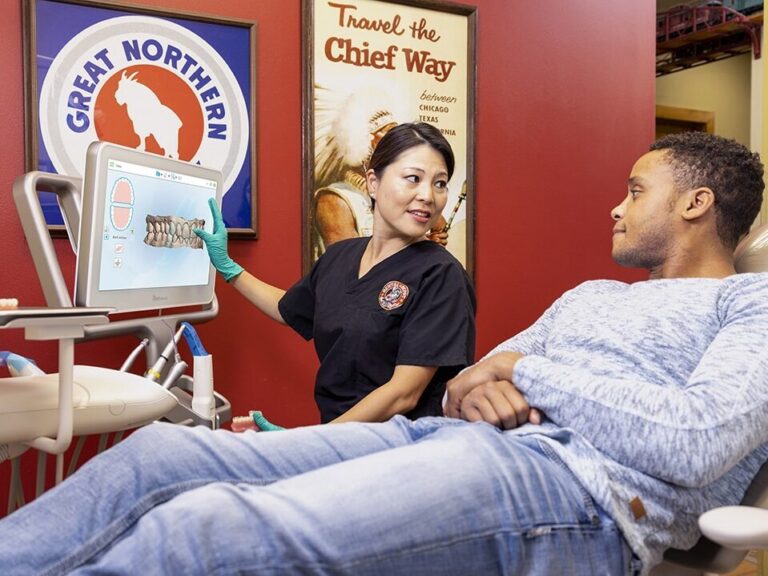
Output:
x,y
417,307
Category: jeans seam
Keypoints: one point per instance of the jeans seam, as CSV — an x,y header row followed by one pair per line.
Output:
x,y
589,503
351,564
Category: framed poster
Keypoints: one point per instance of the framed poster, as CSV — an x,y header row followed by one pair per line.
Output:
x,y
170,83
370,64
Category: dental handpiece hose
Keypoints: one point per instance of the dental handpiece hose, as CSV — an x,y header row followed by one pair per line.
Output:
x,y
203,400
156,370
176,372
133,355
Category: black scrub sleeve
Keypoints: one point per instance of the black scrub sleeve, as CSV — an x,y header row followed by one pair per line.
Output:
x,y
297,306
439,326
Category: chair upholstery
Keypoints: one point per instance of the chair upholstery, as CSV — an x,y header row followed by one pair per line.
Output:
x,y
751,255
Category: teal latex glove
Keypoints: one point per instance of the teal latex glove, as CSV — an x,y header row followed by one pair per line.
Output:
x,y
216,244
262,423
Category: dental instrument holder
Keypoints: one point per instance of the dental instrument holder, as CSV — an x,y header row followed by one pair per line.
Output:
x,y
203,402
68,192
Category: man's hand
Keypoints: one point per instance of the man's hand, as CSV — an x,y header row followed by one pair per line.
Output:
x,y
498,403
493,397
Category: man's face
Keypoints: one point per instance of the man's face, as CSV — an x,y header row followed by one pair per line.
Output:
x,y
643,236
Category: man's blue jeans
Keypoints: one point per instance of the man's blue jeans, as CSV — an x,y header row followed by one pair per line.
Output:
x,y
435,496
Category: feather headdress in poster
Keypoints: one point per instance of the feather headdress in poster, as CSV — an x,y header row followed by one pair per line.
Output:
x,y
345,126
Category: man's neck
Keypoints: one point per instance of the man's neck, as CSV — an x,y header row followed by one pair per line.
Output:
x,y
709,262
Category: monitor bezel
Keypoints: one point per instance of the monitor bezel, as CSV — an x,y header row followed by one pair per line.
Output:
x,y
90,239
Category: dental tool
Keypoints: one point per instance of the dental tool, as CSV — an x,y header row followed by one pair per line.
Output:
x,y
156,370
203,401
133,355
19,365
175,373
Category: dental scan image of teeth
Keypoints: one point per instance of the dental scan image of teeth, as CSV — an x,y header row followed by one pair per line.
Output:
x,y
149,219
173,232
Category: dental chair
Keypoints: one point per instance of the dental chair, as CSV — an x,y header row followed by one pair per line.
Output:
x,y
730,532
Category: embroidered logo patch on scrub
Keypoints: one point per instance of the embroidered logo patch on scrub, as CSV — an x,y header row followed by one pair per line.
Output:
x,y
393,295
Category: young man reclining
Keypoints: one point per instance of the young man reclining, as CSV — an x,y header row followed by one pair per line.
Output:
x,y
648,407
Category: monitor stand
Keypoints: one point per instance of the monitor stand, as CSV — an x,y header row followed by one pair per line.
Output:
x,y
156,329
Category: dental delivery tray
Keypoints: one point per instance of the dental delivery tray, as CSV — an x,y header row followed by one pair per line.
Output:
x,y
104,401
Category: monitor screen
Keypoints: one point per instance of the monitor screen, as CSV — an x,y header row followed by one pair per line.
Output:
x,y
136,248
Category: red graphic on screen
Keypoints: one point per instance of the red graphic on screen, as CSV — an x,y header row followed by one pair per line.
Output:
x,y
122,192
121,217
121,204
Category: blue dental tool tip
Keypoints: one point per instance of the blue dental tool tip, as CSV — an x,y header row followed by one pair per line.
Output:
x,y
19,365
193,340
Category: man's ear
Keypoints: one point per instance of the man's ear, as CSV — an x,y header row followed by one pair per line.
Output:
x,y
372,182
697,202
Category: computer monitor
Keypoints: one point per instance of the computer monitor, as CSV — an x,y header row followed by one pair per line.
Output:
x,y
136,248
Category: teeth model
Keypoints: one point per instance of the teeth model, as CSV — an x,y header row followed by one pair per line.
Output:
x,y
173,232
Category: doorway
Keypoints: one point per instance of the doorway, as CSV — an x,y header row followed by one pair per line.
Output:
x,y
670,120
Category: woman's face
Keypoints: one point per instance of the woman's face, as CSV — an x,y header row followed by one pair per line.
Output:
x,y
411,193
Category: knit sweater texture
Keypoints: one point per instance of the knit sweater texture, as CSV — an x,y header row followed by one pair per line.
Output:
x,y
655,397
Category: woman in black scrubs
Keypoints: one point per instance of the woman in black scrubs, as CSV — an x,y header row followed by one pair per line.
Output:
x,y
392,315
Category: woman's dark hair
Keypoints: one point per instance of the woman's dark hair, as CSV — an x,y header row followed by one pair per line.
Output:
x,y
406,136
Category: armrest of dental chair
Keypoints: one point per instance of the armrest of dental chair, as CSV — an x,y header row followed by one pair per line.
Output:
x,y
736,527
723,527
742,527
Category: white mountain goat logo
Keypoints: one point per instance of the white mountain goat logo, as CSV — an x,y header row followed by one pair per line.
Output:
x,y
148,115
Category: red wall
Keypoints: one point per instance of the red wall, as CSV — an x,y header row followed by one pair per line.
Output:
x,y
565,104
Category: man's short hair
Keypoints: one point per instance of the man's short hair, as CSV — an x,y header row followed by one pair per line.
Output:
x,y
729,169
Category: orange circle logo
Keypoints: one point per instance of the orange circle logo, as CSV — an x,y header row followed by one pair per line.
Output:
x,y
152,106
393,295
